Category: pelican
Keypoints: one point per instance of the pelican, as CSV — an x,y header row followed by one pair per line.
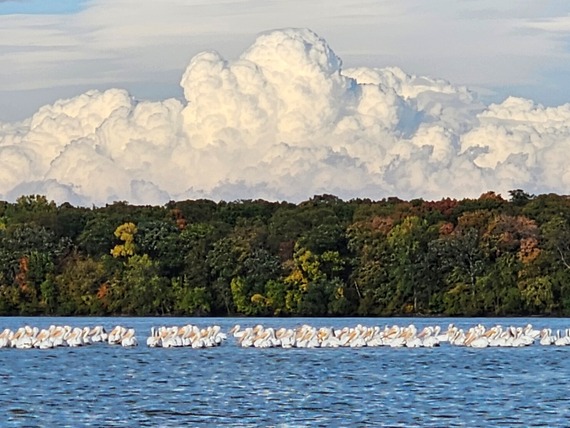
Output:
x,y
154,340
546,337
5,338
129,339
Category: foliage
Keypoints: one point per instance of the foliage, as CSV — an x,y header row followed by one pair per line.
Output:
x,y
321,257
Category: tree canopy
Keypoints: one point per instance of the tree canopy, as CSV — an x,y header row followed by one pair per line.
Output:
x,y
321,257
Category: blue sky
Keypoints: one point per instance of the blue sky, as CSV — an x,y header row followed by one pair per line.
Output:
x,y
57,48
9,7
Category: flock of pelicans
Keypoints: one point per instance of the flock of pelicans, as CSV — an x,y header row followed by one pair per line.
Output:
x,y
397,337
304,336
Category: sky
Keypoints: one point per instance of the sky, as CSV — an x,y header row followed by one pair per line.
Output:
x,y
447,77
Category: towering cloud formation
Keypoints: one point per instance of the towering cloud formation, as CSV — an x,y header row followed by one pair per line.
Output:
x,y
285,121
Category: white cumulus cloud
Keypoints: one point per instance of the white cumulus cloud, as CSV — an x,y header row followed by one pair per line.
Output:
x,y
284,120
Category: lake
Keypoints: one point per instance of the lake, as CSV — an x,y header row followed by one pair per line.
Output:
x,y
447,386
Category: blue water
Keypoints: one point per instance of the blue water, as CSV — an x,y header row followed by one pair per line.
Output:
x,y
100,385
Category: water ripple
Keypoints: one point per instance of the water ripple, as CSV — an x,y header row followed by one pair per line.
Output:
x,y
449,386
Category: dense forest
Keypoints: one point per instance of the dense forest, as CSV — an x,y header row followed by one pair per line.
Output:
x,y
321,257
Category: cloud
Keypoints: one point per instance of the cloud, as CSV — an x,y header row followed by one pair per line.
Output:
x,y
524,143
285,121
72,46
559,24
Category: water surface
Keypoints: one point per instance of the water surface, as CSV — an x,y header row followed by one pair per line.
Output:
x,y
101,385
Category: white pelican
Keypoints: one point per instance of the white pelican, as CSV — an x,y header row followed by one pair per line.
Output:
x,y
129,339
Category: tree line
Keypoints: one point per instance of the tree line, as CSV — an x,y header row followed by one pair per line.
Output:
x,y
321,257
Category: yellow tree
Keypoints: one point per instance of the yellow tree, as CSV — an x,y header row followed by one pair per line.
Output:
x,y
126,233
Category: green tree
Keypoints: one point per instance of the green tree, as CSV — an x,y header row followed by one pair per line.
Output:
x,y
190,301
140,290
556,234
81,287
408,243
367,242
462,262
